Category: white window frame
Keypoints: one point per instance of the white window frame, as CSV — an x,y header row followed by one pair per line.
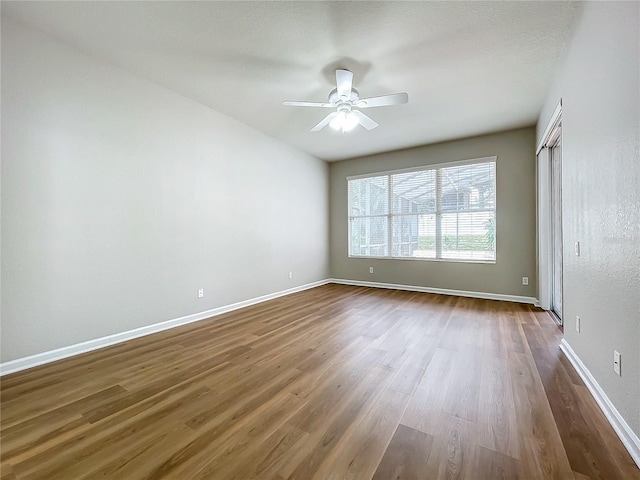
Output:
x,y
438,212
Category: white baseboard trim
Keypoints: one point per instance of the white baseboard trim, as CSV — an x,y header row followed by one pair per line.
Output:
x,y
441,291
629,439
64,352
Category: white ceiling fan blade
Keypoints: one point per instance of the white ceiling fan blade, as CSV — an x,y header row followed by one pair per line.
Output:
x,y
344,82
293,103
365,121
324,122
383,100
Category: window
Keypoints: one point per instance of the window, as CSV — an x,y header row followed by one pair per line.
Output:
x,y
444,212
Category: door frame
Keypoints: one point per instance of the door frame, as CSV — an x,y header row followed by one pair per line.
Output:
x,y
543,218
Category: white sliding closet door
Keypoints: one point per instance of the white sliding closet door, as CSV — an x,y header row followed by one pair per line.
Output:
x,y
556,225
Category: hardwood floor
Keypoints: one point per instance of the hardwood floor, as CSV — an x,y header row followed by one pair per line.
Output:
x,y
331,383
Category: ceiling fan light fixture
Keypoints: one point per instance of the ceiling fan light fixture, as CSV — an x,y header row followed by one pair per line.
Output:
x,y
344,121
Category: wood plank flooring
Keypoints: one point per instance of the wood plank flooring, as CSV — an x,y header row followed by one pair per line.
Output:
x,y
336,382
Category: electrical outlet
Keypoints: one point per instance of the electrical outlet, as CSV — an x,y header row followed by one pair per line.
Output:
x,y
577,324
370,269
200,292
290,274
616,362
525,280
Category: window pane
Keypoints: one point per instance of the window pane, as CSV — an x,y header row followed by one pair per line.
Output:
x,y
414,236
369,236
414,192
438,212
468,187
368,196
468,235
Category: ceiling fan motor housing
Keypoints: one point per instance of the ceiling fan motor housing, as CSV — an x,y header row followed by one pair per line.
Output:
x,y
334,99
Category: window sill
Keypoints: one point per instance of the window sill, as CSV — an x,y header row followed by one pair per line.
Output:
x,y
423,259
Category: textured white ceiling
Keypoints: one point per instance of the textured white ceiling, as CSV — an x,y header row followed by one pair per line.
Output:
x,y
469,67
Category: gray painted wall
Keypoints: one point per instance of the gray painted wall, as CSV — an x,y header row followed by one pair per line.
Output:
x,y
120,199
599,84
515,213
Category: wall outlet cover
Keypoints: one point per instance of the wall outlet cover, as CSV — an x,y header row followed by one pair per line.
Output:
x,y
616,362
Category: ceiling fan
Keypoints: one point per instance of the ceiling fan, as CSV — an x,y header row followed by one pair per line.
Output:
x,y
346,101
